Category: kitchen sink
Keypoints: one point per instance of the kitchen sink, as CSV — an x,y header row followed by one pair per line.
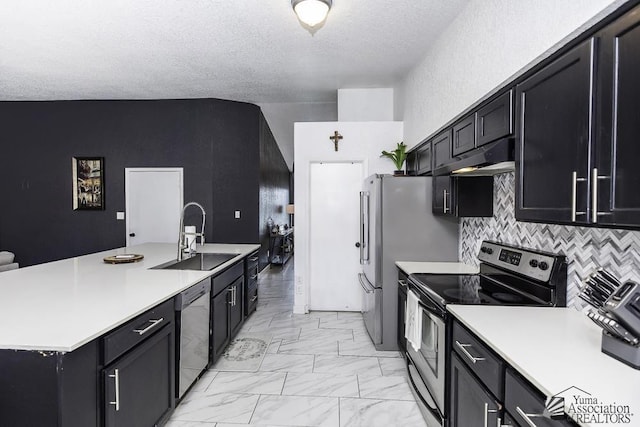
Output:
x,y
199,261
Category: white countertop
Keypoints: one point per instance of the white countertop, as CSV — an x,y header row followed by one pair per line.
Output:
x,y
555,348
412,267
61,305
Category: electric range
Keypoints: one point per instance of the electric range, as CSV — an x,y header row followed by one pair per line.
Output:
x,y
508,275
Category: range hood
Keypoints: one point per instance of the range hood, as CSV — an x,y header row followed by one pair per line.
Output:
x,y
487,160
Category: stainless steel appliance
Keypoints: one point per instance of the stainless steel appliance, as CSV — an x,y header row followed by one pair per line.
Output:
x,y
396,225
193,319
508,275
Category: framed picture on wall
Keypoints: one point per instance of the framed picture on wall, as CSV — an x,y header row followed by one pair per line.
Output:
x,y
88,183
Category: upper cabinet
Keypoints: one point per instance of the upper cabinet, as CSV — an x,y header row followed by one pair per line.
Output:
x,y
464,135
577,133
441,149
554,135
495,119
615,176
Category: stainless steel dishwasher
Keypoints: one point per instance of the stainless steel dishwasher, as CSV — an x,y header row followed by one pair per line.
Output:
x,y
193,314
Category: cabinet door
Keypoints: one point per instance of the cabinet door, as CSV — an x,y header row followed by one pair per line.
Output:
x,y
139,387
442,197
495,120
470,404
235,306
554,138
616,171
220,320
424,159
411,164
441,149
464,135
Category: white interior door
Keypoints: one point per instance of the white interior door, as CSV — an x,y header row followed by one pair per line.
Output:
x,y
334,209
154,200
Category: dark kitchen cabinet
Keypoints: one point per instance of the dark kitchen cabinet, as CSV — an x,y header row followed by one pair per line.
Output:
x,y
554,135
495,119
411,164
138,387
220,319
441,149
235,305
424,159
614,174
471,404
139,375
226,308
464,135
462,196
485,389
251,284
526,405
578,133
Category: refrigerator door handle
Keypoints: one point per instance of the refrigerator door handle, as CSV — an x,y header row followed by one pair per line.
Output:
x,y
364,283
364,227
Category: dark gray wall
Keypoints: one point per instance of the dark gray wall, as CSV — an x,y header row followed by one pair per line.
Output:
x,y
274,186
218,143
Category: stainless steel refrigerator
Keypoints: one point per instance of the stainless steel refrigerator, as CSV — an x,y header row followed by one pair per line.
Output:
x,y
396,224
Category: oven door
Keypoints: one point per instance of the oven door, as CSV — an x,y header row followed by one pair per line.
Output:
x,y
429,360
427,406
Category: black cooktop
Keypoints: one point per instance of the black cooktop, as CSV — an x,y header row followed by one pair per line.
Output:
x,y
468,289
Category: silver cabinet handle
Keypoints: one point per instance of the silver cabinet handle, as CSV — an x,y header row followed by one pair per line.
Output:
x,y
526,416
402,283
230,302
253,259
116,378
594,195
254,298
444,201
463,348
254,277
487,411
574,195
153,324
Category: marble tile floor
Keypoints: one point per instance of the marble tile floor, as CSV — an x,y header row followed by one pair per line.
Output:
x,y
321,369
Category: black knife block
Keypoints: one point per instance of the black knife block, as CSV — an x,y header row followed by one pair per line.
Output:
x,y
621,350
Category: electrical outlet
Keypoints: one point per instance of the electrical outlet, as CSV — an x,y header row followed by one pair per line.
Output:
x,y
237,214
119,216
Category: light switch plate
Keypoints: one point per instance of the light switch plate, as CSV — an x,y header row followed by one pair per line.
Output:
x,y
119,215
237,214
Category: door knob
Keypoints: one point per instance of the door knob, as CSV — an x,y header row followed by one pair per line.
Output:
x,y
132,234
357,244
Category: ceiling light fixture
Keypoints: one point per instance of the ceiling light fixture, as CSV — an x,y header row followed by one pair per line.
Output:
x,y
311,12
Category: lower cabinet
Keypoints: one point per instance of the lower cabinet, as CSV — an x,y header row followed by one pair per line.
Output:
x,y
226,308
251,284
138,387
470,404
486,391
139,369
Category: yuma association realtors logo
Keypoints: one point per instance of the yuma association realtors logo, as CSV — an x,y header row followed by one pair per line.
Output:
x,y
582,407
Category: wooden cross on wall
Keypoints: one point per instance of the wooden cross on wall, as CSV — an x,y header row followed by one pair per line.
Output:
x,y
336,138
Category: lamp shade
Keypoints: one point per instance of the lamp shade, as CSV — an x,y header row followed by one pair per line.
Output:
x,y
311,12
290,209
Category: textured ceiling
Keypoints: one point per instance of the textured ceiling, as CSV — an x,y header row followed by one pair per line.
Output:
x,y
245,50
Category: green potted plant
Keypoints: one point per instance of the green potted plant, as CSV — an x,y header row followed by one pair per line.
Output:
x,y
397,156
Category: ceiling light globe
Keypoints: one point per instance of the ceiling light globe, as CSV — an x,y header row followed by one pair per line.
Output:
x,y
311,12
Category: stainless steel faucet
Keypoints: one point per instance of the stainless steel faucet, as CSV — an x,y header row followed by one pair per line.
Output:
x,y
182,236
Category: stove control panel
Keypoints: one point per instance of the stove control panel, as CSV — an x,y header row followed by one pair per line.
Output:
x,y
528,263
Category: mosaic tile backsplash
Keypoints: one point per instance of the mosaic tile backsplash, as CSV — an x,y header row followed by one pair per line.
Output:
x,y
587,249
